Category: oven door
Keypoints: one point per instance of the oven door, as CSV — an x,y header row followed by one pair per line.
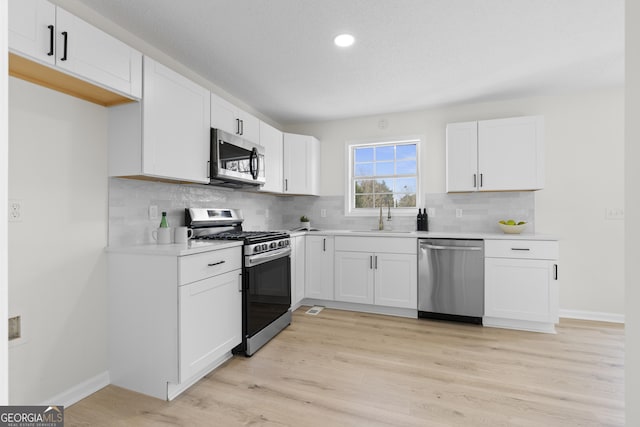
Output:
x,y
267,292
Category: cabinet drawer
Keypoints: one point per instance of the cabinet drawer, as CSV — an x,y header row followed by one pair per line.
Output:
x,y
529,249
207,264
392,245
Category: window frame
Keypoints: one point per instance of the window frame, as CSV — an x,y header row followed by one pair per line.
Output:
x,y
349,196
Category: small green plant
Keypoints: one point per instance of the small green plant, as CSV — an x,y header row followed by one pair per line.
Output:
x,y
303,218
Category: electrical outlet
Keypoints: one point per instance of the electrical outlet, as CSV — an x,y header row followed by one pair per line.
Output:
x,y
458,213
153,211
14,328
614,213
323,213
431,212
15,210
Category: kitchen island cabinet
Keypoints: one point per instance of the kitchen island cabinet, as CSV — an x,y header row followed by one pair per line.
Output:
x,y
521,284
496,155
174,314
47,34
167,135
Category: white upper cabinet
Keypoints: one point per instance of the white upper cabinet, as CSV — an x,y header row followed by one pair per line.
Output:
x,y
301,167
166,135
50,35
496,155
229,118
271,140
462,156
32,29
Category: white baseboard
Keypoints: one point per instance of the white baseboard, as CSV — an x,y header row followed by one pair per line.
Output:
x,y
592,315
79,391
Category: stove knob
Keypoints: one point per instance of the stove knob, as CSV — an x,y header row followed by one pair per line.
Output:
x,y
264,247
272,245
280,244
256,249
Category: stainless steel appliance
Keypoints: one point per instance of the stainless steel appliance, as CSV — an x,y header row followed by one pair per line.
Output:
x,y
235,162
266,273
451,279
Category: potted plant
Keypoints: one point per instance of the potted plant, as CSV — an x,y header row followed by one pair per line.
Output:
x,y
305,222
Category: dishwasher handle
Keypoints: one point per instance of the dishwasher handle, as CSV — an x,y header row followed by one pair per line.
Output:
x,y
454,248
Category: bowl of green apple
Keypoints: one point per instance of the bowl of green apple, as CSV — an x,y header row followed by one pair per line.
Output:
x,y
511,226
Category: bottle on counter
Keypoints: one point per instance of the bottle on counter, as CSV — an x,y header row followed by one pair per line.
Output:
x,y
419,220
163,222
425,220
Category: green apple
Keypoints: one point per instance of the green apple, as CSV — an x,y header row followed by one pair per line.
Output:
x,y
521,223
511,222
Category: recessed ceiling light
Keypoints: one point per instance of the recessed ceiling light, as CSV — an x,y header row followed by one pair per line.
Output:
x,y
344,40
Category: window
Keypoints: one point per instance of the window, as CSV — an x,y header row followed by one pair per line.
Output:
x,y
383,174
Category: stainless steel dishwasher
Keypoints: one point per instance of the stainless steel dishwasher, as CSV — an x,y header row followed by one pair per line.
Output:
x,y
451,279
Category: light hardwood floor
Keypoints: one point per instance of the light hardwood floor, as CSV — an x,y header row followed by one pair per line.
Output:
x,y
354,369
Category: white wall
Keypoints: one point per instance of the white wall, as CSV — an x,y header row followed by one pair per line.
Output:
x,y
632,209
57,267
584,176
4,165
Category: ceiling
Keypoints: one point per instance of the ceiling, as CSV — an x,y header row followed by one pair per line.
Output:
x,y
278,55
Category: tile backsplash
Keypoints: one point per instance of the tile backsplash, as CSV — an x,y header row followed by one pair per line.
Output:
x,y
129,202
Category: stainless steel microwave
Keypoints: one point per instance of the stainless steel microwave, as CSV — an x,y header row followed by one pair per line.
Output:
x,y
235,161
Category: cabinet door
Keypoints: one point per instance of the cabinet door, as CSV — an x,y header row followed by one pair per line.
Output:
x,y
249,126
396,280
521,289
297,269
319,267
176,114
224,115
354,277
299,278
96,56
511,155
210,322
29,32
301,164
462,156
271,140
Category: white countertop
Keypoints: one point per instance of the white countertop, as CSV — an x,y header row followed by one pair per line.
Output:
x,y
427,234
176,249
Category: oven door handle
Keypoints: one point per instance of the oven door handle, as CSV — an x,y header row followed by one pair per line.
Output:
x,y
253,260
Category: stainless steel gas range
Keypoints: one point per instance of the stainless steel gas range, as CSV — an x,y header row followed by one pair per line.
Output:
x,y
266,273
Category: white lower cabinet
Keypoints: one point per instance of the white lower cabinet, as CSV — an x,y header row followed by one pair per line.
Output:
x,y
210,324
172,318
297,270
319,267
386,277
521,284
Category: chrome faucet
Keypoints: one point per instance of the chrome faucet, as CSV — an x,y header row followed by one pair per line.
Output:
x,y
380,222
388,211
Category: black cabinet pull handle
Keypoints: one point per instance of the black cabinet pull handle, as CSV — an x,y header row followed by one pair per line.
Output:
x,y
480,180
52,34
474,181
64,49
237,126
241,127
520,249
371,262
324,245
555,271
216,263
